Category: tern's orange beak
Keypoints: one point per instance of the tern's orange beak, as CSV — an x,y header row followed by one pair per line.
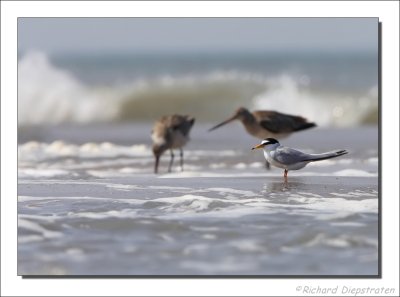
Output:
x,y
258,146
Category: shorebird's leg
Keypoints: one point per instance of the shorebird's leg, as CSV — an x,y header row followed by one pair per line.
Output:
x,y
181,155
285,175
156,164
171,161
267,165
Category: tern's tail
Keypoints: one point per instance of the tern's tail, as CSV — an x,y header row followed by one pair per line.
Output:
x,y
324,156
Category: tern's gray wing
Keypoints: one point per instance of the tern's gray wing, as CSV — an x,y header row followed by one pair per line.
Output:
x,y
288,156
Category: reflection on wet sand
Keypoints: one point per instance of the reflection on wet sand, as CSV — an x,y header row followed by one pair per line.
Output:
x,y
279,185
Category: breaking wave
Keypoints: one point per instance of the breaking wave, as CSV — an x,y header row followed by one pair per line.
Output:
x,y
48,94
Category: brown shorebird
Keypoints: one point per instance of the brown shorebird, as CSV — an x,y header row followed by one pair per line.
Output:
x,y
170,132
267,123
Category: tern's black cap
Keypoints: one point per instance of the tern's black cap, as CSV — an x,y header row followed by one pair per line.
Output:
x,y
269,141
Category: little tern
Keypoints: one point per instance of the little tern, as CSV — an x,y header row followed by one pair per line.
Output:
x,y
291,159
170,132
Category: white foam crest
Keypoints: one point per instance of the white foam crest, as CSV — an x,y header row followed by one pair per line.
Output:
x,y
47,94
186,203
215,153
354,194
196,249
35,227
224,83
323,239
204,229
72,165
347,224
223,265
341,241
222,174
30,217
233,191
118,173
190,204
373,160
330,208
169,188
248,246
79,198
32,172
123,187
29,238
36,151
67,182
219,165
120,214
286,94
354,172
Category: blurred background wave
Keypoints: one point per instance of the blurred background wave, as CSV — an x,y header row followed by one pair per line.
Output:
x,y
331,89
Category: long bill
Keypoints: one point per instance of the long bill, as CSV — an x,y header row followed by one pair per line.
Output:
x,y
223,123
258,146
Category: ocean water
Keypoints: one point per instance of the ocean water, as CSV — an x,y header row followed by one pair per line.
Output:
x,y
337,89
89,203
96,208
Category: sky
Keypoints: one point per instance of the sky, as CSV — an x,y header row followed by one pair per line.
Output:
x,y
64,35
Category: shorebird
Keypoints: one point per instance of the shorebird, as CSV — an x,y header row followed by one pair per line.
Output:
x,y
291,159
267,123
170,132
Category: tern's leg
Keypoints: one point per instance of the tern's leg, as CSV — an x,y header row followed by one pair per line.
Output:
x,y
171,161
267,165
181,155
285,175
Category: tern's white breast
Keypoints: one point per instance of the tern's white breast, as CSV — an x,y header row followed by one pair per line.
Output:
x,y
269,157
